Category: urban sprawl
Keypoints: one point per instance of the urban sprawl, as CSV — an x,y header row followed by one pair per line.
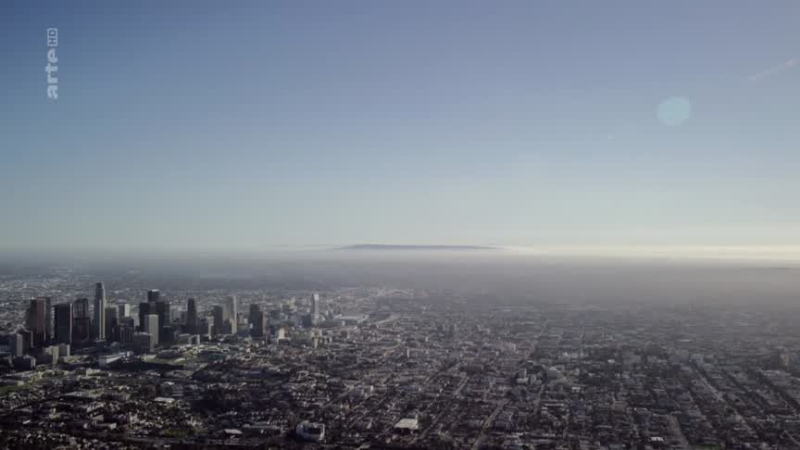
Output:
x,y
93,366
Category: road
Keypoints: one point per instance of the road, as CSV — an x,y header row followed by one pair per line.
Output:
x,y
487,423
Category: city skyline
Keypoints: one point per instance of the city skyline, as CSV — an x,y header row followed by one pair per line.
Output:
x,y
67,321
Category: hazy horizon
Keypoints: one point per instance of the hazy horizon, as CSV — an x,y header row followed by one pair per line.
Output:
x,y
738,255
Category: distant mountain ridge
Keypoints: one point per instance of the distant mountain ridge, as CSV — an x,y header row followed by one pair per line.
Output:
x,y
414,247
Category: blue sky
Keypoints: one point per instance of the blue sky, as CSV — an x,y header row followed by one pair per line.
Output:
x,y
243,125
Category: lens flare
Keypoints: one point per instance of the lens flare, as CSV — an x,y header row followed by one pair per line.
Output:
x,y
674,111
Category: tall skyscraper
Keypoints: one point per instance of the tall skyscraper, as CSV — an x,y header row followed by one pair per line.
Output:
x,y
37,320
100,312
151,326
82,323
219,319
27,339
126,330
144,310
99,291
124,310
315,309
153,295
258,322
16,345
191,316
80,308
64,320
112,324
254,310
205,328
164,319
48,319
232,312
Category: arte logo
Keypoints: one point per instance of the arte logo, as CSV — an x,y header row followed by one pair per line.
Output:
x,y
52,61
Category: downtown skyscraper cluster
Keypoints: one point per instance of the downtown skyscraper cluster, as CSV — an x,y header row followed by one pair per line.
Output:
x,y
51,330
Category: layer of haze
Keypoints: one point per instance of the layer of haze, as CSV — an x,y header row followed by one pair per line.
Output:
x,y
589,125
481,278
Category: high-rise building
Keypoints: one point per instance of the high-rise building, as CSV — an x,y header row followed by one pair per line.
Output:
x,y
99,312
167,334
191,316
37,320
48,319
254,310
315,309
27,339
64,321
258,324
16,345
82,322
81,329
126,331
164,319
124,310
80,308
128,321
144,342
219,319
112,324
144,310
205,328
153,295
127,327
151,326
232,312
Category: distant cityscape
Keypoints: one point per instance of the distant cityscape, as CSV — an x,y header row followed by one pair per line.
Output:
x,y
46,336
387,368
